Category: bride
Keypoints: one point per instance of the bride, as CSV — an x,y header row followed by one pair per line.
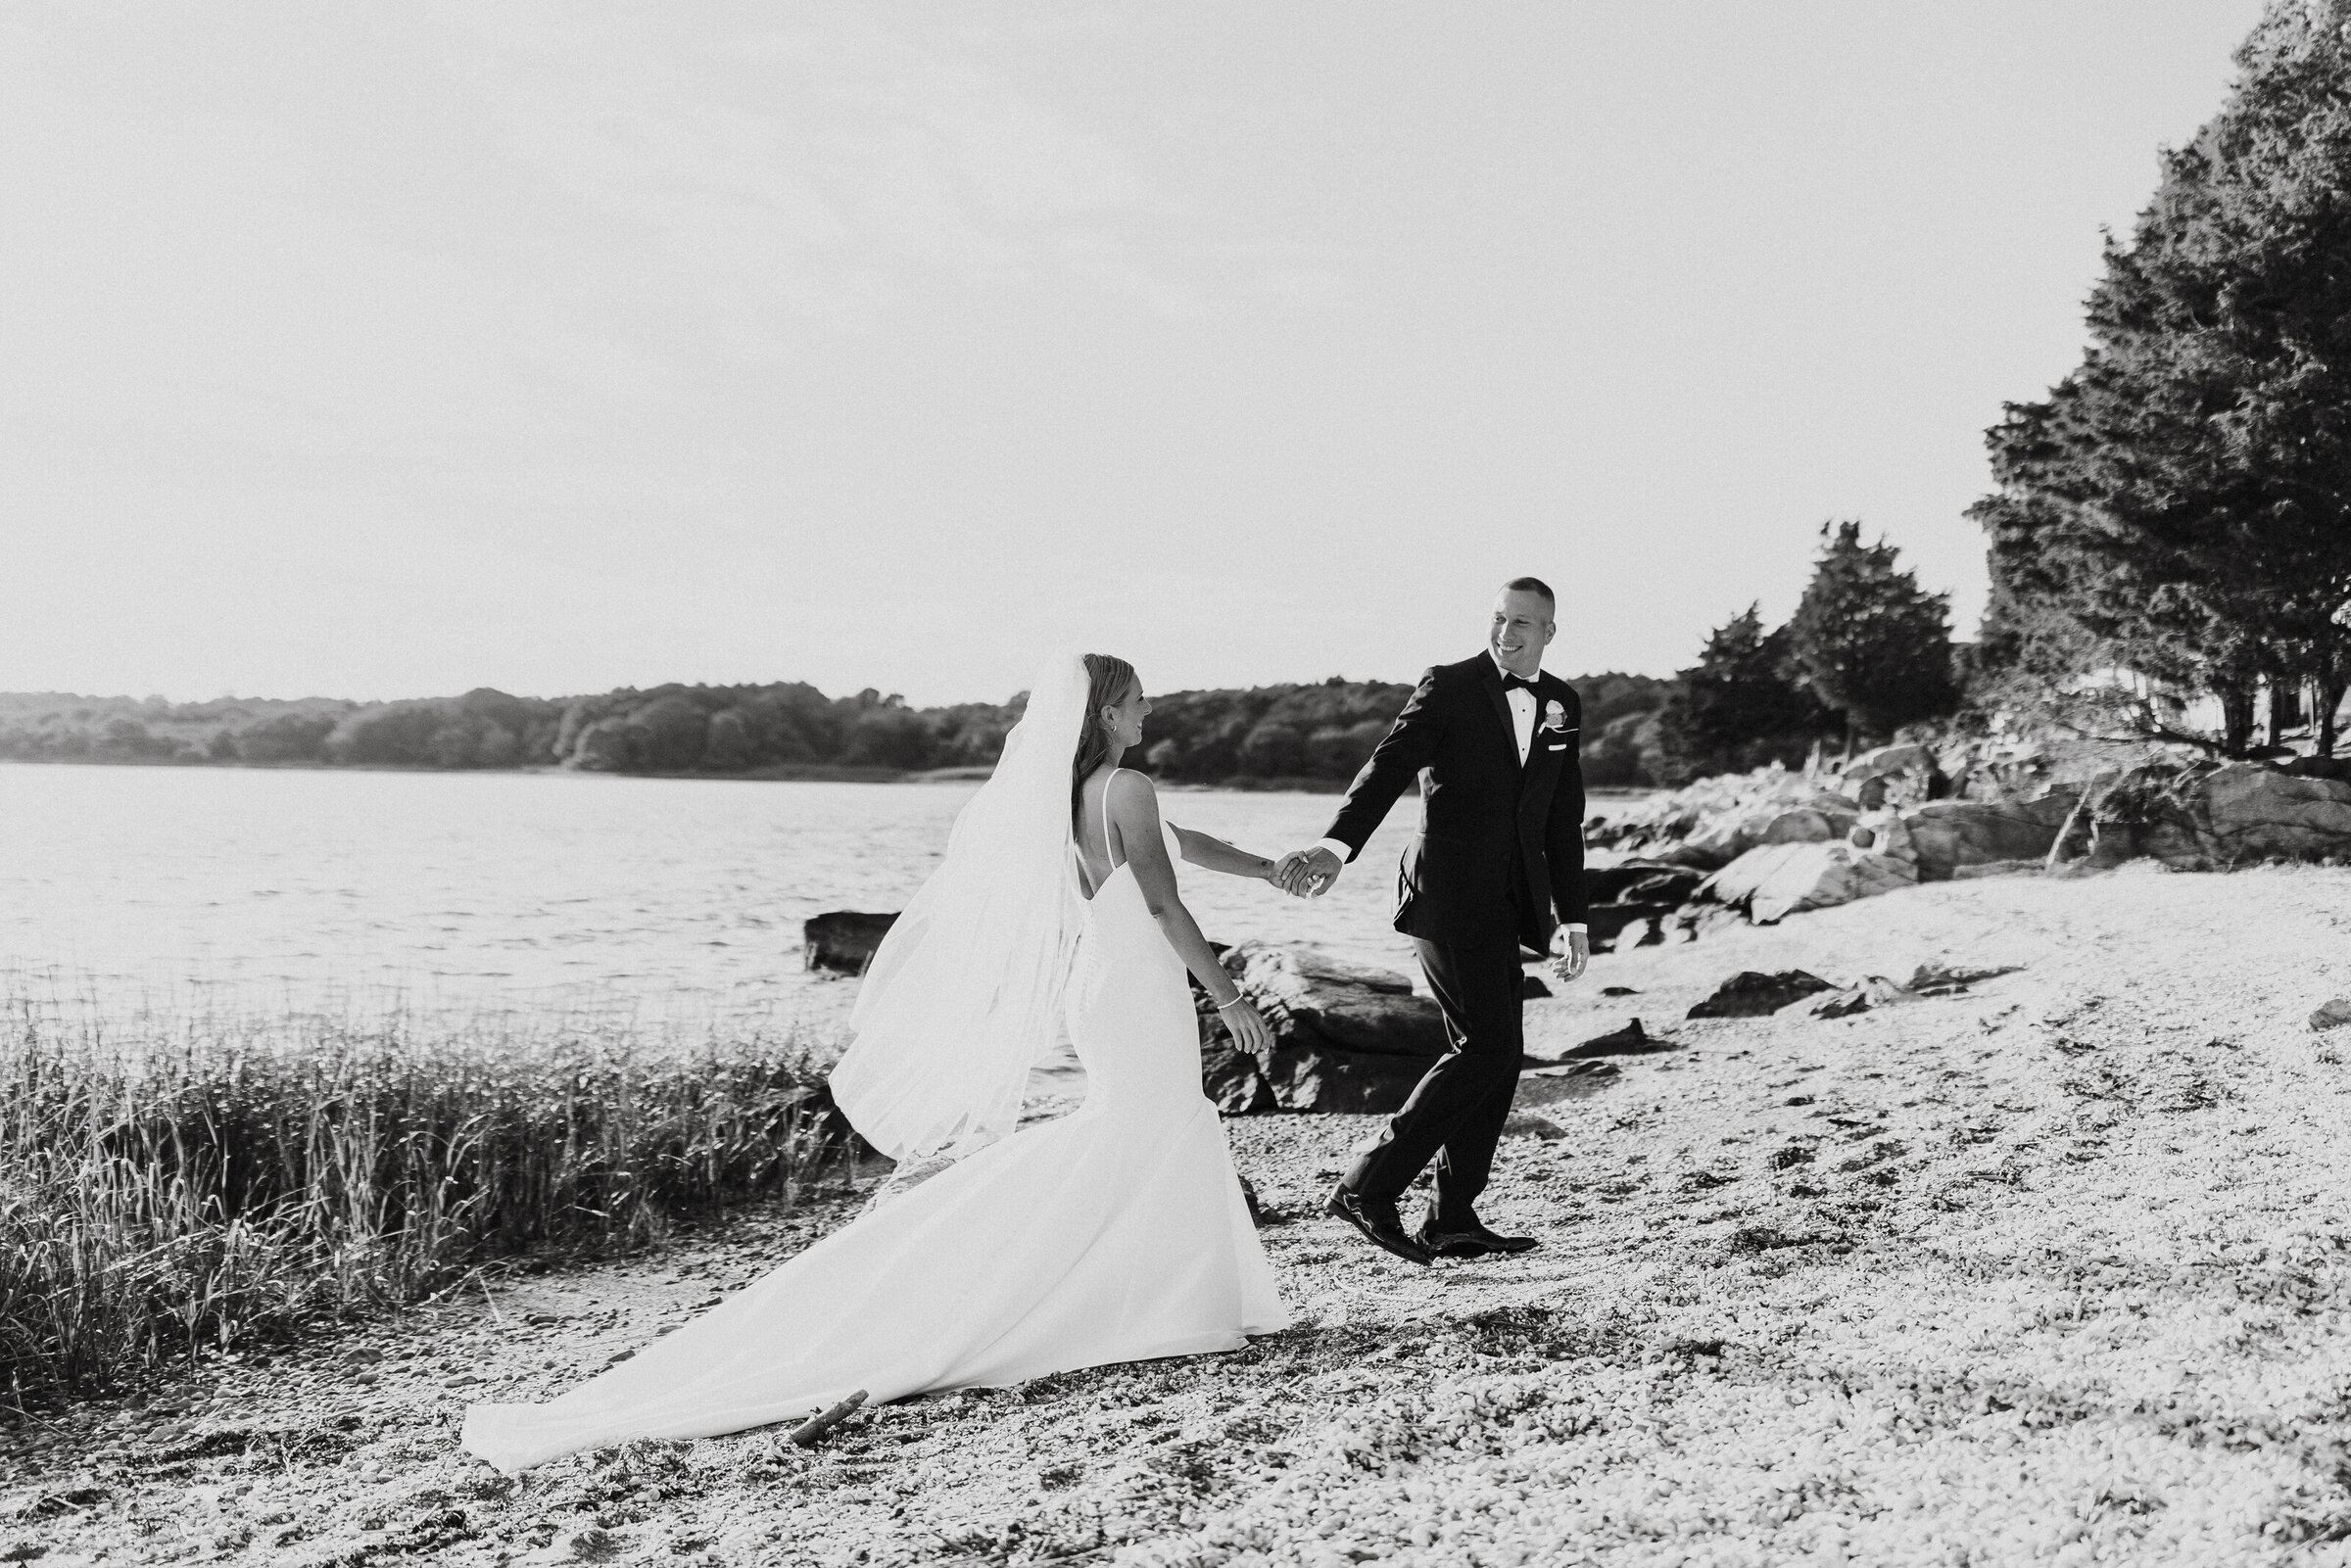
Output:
x,y
1117,1233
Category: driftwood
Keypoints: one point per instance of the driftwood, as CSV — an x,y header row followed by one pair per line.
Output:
x,y
2076,821
810,1431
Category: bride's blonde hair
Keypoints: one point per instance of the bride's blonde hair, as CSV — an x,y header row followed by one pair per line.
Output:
x,y
1107,678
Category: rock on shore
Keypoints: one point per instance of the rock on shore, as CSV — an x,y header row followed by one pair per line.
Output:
x,y
1772,843
1948,836
2213,817
1346,1037
843,940
1770,882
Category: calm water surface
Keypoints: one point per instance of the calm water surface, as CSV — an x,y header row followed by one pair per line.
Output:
x,y
493,892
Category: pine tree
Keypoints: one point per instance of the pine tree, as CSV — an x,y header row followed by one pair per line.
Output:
x,y
2184,497
1737,708
1868,641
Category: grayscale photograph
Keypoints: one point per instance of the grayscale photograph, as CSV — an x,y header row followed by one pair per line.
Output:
x,y
1535,784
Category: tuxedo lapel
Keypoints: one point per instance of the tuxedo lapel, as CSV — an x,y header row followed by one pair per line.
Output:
x,y
1492,680
1540,760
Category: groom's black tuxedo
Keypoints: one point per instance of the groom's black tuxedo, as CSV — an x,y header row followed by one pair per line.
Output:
x,y
1492,833
1498,862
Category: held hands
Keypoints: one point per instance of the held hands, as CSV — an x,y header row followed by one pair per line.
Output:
x,y
1570,952
1305,872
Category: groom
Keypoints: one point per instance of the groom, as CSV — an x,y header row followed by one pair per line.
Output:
x,y
1494,742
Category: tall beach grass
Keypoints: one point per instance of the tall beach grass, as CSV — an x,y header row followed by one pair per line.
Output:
x,y
180,1181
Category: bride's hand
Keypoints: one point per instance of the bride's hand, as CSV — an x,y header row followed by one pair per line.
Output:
x,y
1248,1027
1307,873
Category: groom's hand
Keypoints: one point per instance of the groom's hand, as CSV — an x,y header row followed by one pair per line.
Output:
x,y
1571,952
1305,872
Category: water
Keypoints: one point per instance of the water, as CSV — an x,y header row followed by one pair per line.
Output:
x,y
492,893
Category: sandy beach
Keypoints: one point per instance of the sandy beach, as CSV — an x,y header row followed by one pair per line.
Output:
x,y
2050,1270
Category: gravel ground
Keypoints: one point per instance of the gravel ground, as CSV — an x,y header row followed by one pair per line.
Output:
x,y
2050,1270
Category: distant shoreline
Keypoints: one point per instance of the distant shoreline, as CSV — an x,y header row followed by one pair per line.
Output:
x,y
784,773
1289,739
780,773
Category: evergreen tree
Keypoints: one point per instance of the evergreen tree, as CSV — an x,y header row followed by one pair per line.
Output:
x,y
1737,707
2184,497
1867,641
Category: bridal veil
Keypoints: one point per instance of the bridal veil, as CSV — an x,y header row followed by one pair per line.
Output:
x,y
964,995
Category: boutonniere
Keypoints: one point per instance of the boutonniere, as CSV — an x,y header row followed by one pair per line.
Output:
x,y
1554,716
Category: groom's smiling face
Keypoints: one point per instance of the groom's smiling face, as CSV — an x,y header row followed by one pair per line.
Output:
x,y
1522,628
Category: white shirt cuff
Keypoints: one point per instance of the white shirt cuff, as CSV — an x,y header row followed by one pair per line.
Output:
x,y
1335,848
1579,926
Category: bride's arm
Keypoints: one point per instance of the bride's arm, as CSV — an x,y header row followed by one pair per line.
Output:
x,y
1215,854
1132,807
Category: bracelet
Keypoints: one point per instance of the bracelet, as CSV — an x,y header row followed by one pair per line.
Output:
x,y
1236,1002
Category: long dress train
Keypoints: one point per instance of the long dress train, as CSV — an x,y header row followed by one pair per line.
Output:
x,y
1118,1233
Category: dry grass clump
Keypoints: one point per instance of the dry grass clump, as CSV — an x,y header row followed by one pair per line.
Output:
x,y
168,1185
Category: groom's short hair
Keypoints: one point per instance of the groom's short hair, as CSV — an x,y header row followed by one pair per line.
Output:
x,y
1531,584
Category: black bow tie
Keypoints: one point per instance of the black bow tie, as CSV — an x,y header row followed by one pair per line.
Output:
x,y
1518,682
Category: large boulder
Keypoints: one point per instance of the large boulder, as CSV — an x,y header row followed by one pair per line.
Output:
x,y
1947,834
843,940
2211,817
1301,1074
1777,881
2251,812
1346,1037
1305,992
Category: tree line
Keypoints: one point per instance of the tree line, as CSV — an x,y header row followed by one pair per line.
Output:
x,y
1311,735
1865,651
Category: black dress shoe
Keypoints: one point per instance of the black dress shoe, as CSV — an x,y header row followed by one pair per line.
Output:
x,y
1377,1219
1471,1241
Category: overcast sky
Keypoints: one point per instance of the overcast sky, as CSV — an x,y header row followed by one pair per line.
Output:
x,y
394,350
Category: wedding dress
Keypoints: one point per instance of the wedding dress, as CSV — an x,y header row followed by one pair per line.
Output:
x,y
1117,1233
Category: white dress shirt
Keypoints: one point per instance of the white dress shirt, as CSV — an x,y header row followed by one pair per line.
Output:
x,y
1522,724
1522,715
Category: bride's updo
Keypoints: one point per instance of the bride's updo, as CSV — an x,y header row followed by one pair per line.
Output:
x,y
1108,680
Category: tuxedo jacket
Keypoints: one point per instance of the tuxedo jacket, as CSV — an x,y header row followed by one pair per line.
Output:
x,y
1500,848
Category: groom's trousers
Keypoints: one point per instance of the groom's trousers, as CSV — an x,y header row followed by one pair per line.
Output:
x,y
1457,1110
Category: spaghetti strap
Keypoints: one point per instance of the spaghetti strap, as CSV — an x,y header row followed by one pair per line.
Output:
x,y
1108,857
